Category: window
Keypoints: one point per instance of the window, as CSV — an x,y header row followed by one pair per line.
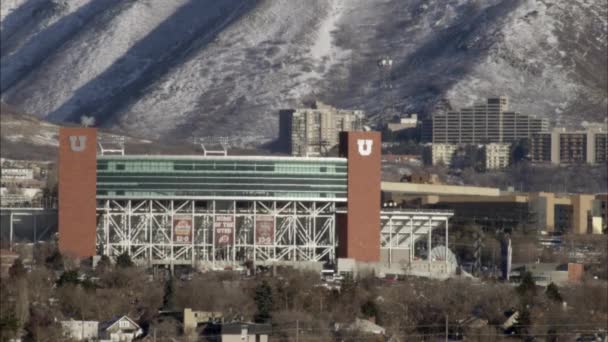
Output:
x,y
123,324
120,166
183,167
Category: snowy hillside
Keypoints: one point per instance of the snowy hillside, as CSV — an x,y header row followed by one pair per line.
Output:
x,y
181,68
25,137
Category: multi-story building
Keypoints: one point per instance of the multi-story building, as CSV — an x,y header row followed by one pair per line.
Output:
x,y
497,155
17,174
403,123
491,207
484,123
222,211
314,131
561,146
443,153
540,147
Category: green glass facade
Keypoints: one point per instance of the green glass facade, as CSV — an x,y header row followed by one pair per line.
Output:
x,y
233,177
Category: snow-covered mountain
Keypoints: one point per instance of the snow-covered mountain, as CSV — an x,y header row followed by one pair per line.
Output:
x,y
181,68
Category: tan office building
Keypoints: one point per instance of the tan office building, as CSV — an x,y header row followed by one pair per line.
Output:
x,y
576,213
489,122
314,131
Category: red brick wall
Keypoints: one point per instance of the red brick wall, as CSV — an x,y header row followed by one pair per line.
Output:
x,y
362,239
575,272
77,192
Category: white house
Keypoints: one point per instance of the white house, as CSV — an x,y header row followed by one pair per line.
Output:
x,y
123,329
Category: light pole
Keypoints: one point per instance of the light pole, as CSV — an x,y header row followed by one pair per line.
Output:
x,y
385,64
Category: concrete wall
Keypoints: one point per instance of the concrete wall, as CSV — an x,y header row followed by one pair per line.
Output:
x,y
436,269
581,207
81,330
431,189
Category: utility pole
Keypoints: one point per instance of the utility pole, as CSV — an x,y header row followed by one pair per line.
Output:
x,y
493,262
446,328
297,330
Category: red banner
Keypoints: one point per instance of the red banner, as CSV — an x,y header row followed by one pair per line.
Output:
x,y
182,229
224,230
264,230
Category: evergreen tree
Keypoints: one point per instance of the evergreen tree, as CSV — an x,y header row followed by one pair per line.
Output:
x,y
104,265
348,285
527,287
55,261
124,260
263,300
369,309
524,321
168,303
68,277
17,270
553,294
520,150
9,325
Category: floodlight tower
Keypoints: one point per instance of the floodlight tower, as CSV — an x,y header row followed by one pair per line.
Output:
x,y
207,143
385,65
87,121
114,144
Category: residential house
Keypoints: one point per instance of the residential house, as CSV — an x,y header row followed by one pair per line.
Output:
x,y
193,318
123,329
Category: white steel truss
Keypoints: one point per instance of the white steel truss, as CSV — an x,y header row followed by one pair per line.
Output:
x,y
401,232
145,229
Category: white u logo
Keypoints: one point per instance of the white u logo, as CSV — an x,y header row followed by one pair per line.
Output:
x,y
78,143
365,146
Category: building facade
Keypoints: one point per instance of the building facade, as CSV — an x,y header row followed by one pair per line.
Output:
x,y
575,213
215,212
561,146
81,330
443,153
314,131
17,174
219,210
489,122
497,156
403,123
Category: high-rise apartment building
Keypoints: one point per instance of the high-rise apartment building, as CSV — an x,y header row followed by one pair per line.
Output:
x,y
484,123
314,131
561,146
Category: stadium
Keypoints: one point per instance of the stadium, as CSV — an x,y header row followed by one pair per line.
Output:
x,y
211,211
